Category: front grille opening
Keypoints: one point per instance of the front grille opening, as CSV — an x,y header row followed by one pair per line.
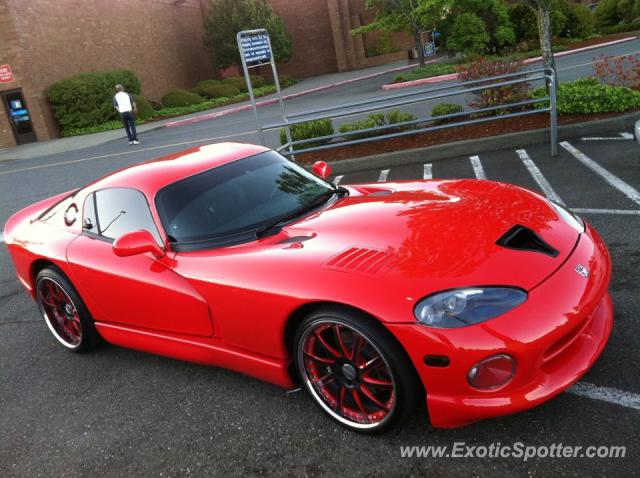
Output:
x,y
522,238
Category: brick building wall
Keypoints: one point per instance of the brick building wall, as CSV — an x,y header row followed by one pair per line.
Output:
x,y
162,42
48,40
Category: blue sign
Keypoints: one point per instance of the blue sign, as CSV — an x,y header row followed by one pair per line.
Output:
x,y
429,49
255,48
21,112
435,34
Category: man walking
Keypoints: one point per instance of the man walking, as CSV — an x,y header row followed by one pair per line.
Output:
x,y
126,106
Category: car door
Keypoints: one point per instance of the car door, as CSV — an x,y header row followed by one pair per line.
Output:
x,y
140,290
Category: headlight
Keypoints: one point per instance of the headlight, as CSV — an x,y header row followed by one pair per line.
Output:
x,y
462,307
569,217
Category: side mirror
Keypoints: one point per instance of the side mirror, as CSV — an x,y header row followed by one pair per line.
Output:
x,y
321,169
137,242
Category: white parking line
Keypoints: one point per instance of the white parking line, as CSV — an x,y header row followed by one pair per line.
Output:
x,y
337,180
606,394
384,174
610,178
621,212
477,167
538,176
427,171
623,136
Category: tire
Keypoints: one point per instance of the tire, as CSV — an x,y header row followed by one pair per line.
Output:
x,y
64,312
355,371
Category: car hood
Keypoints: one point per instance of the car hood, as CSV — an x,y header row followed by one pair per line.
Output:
x,y
443,233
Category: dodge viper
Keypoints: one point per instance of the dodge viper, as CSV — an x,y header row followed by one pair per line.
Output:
x,y
478,297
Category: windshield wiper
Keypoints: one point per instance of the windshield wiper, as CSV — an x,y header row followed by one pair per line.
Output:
x,y
281,221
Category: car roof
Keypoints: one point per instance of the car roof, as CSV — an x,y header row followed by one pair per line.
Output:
x,y
152,176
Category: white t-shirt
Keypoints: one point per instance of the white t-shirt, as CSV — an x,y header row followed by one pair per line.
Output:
x,y
123,101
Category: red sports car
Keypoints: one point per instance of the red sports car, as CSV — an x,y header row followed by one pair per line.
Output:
x,y
483,297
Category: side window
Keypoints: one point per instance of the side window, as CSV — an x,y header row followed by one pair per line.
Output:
x,y
89,222
118,211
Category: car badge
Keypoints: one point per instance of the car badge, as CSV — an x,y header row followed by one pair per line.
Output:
x,y
582,270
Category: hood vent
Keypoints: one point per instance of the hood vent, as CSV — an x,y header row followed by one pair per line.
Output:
x,y
522,238
360,259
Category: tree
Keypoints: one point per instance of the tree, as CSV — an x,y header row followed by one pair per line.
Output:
x,y
225,18
411,16
494,14
543,16
468,35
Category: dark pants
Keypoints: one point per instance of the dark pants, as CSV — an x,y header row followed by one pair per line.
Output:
x,y
129,121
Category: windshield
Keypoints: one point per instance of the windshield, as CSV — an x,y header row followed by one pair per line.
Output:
x,y
238,198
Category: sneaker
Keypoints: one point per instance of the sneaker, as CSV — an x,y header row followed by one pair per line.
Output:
x,y
130,142
135,142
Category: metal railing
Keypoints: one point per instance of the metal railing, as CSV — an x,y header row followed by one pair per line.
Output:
x,y
425,124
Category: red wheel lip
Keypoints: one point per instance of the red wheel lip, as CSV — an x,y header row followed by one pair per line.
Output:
x,y
358,396
67,330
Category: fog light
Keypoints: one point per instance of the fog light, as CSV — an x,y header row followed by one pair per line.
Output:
x,y
492,372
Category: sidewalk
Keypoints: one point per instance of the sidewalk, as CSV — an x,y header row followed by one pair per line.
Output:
x,y
305,86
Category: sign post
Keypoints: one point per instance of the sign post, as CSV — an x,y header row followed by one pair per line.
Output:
x,y
255,50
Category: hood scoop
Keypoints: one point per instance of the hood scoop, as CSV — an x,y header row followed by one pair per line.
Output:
x,y
521,238
361,260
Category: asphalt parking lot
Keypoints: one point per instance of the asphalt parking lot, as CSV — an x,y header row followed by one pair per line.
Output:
x,y
122,413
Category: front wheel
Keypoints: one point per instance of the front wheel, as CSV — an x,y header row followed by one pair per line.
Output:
x,y
355,371
64,312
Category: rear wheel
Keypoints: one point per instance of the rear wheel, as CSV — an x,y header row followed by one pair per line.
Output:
x,y
355,371
64,312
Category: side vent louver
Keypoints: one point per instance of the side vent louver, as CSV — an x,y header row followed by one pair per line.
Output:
x,y
360,259
522,238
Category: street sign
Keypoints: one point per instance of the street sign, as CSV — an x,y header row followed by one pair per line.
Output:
x,y
6,75
429,49
255,52
255,48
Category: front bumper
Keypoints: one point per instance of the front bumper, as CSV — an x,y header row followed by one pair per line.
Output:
x,y
555,337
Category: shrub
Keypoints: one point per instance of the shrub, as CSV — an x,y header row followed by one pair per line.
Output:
x,y
86,100
199,88
588,96
145,110
311,129
492,97
629,27
611,13
523,19
156,105
442,109
578,21
220,91
375,120
434,69
286,80
238,82
258,81
468,35
619,70
181,98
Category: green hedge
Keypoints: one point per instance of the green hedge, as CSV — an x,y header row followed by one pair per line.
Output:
x,y
200,87
624,27
145,110
311,129
181,98
588,96
442,109
220,91
375,120
238,82
86,100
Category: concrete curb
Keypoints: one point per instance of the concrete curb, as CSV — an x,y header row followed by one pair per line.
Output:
x,y
454,76
259,104
482,145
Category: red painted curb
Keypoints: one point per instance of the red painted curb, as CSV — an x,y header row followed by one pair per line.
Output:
x,y
453,76
237,109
